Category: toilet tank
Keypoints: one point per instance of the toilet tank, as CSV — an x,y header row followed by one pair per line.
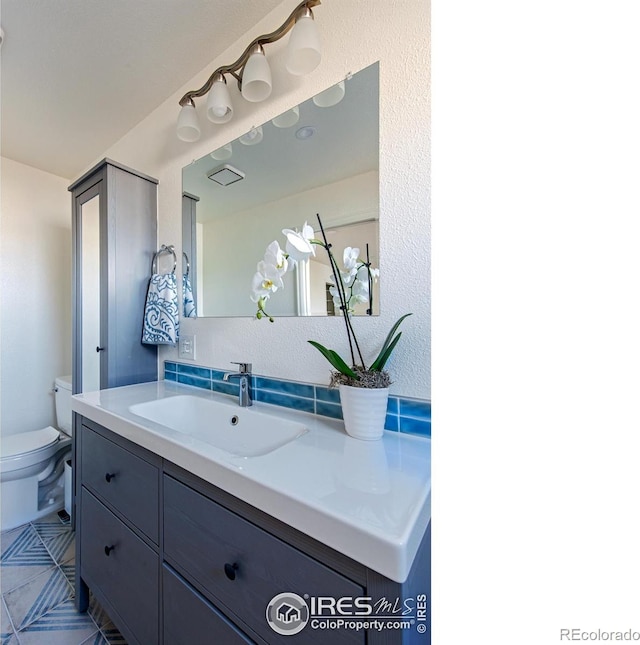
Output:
x,y
63,404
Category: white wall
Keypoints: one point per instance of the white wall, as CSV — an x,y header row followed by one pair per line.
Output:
x,y
355,33
228,247
35,296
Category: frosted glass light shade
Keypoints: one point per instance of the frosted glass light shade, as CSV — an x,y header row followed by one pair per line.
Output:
x,y
287,119
219,107
222,153
188,128
256,78
303,48
252,137
331,96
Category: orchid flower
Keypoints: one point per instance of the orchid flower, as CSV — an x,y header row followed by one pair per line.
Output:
x,y
266,281
350,259
351,286
299,245
276,257
360,292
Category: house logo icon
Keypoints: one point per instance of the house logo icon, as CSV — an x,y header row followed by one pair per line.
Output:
x,y
287,614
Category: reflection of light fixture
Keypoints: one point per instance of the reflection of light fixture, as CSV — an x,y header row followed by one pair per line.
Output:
x,y
305,132
252,72
287,119
225,175
222,153
331,96
252,137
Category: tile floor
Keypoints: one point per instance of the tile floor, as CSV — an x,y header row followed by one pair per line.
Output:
x,y
37,583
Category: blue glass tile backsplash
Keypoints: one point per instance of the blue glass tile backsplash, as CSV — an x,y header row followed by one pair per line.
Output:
x,y
412,416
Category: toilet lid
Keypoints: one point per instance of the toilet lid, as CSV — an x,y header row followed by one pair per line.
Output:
x,y
23,442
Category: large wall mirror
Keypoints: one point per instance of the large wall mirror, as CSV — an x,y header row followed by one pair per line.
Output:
x,y
319,157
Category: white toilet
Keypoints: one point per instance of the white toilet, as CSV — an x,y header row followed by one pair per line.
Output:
x,y
32,466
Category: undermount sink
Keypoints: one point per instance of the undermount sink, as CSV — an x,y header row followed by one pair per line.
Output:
x,y
239,431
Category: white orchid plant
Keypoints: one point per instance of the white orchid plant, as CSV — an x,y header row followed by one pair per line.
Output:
x,y
352,285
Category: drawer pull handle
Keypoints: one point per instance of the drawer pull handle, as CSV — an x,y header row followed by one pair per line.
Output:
x,y
109,477
100,349
230,570
108,549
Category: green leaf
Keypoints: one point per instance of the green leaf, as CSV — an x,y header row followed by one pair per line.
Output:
x,y
388,346
379,364
335,360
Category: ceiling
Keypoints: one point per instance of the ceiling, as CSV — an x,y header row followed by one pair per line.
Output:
x,y
77,75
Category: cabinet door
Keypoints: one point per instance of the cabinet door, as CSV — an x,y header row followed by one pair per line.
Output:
x,y
121,569
88,328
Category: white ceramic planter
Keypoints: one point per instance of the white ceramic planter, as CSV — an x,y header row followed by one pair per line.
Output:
x,y
364,411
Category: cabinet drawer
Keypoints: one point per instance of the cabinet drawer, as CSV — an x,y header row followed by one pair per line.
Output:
x,y
124,480
201,537
121,566
190,619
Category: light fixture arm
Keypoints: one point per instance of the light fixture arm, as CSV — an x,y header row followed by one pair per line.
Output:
x,y
236,69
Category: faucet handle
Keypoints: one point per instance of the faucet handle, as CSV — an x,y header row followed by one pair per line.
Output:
x,y
243,368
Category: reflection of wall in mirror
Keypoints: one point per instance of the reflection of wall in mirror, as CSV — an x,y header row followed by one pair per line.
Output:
x,y
318,278
232,246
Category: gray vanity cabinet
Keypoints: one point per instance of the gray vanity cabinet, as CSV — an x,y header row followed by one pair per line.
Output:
x,y
114,239
117,526
175,560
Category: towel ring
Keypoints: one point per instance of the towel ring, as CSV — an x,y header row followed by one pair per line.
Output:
x,y
164,249
186,259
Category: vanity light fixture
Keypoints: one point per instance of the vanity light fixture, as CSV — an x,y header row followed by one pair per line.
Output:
x,y
252,71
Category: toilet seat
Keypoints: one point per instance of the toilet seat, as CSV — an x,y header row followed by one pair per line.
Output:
x,y
23,443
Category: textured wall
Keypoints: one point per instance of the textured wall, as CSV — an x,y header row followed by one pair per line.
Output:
x,y
355,33
35,273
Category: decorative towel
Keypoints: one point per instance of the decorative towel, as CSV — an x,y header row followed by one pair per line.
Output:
x,y
189,307
161,321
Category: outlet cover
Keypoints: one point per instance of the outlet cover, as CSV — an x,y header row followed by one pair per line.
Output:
x,y
187,347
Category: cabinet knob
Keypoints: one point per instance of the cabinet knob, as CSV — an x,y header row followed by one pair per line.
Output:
x,y
108,549
230,570
109,477
100,349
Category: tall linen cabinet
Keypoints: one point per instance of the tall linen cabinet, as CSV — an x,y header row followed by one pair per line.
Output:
x,y
114,241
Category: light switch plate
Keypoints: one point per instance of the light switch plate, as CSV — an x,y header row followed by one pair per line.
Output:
x,y
187,347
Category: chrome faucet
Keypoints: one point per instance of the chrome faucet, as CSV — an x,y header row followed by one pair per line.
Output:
x,y
244,380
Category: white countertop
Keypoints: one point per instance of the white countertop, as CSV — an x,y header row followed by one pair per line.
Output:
x,y
370,500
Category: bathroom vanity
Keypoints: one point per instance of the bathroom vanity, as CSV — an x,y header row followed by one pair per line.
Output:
x,y
185,543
